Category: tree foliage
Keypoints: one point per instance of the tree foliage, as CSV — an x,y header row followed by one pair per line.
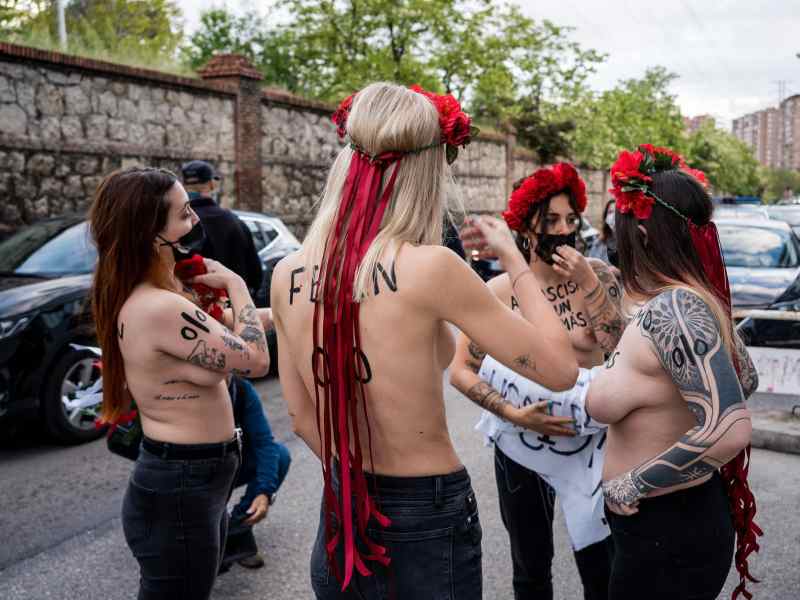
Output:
x,y
777,180
728,162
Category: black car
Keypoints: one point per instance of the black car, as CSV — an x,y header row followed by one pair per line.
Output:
x,y
45,277
762,257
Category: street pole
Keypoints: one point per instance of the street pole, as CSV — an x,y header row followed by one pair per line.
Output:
x,y
62,24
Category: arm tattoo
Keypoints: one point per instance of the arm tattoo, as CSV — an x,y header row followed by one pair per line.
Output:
x,y
687,340
524,363
252,333
486,397
748,374
476,356
603,304
207,358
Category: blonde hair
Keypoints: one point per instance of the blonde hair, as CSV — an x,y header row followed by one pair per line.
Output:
x,y
386,117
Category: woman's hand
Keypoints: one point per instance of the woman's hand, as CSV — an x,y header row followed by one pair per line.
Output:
x,y
217,276
258,510
535,417
491,237
621,495
570,263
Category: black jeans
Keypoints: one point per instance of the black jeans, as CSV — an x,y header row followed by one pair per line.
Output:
x,y
679,545
526,507
175,520
434,543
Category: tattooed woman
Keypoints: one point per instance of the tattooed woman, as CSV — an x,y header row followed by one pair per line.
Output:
x,y
162,350
672,395
361,314
538,456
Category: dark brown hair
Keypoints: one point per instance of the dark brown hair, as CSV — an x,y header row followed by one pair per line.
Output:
x,y
666,256
606,233
128,210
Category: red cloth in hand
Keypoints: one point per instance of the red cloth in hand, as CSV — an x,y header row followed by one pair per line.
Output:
x,y
208,297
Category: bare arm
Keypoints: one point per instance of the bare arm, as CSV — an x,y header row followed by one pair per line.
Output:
x,y
457,295
686,337
299,403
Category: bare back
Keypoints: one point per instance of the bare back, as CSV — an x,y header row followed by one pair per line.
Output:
x,y
407,350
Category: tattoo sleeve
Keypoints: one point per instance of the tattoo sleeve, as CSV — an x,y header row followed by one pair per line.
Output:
x,y
603,304
687,340
486,397
748,374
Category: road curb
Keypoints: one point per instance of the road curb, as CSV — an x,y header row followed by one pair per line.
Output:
x,y
779,441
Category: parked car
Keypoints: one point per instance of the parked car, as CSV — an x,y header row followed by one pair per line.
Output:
x,y
789,214
45,275
762,259
740,211
763,263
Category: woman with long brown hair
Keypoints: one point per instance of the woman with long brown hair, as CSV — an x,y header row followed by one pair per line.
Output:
x,y
538,456
673,391
361,314
164,352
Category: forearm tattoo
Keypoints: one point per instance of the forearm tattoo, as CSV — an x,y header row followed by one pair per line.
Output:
x,y
476,356
748,374
603,304
252,330
687,340
486,397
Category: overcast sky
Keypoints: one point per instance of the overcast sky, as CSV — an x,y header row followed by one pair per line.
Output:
x,y
729,54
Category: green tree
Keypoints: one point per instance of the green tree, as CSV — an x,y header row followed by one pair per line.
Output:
x,y
777,180
634,112
727,161
142,31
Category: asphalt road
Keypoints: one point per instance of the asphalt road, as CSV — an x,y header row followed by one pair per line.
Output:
x,y
60,534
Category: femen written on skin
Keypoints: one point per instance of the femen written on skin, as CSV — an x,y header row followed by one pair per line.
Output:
x,y
389,281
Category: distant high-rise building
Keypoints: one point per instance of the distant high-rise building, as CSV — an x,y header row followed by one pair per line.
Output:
x,y
773,134
692,124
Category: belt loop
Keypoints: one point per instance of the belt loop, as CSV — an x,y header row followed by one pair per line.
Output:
x,y
438,501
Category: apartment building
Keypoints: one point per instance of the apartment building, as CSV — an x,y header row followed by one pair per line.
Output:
x,y
773,134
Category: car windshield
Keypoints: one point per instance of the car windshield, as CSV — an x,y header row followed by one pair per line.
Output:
x,y
51,248
752,246
790,215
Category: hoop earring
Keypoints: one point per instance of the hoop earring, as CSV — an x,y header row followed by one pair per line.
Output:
x,y
526,243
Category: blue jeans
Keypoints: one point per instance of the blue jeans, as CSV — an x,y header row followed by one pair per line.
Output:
x,y
434,542
175,521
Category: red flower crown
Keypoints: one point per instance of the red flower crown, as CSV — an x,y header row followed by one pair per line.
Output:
x,y
542,184
632,178
456,125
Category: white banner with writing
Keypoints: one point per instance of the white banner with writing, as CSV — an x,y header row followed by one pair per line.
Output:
x,y
778,369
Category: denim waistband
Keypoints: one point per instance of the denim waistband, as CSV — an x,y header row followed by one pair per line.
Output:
x,y
205,451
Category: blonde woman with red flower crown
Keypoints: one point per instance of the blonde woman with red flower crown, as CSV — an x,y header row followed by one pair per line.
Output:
x,y
361,314
539,455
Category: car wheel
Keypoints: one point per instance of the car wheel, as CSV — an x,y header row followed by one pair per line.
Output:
x,y
272,346
76,370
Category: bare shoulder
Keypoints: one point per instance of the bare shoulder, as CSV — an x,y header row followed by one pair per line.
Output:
x,y
148,304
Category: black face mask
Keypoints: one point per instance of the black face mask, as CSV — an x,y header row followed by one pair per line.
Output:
x,y
546,244
188,245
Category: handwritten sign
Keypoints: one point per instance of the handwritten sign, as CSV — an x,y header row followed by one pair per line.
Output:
x,y
778,370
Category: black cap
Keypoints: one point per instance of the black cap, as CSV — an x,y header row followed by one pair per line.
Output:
x,y
198,171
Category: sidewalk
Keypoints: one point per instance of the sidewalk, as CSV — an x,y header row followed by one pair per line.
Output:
x,y
775,426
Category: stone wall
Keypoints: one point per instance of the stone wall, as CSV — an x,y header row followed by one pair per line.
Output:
x,y
65,122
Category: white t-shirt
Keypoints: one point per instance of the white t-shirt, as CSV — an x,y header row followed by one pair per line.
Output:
x,y
573,466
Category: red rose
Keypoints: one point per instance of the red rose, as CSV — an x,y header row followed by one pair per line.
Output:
x,y
698,175
568,178
627,167
636,202
339,117
456,129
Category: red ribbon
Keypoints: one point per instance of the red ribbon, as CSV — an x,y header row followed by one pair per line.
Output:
x,y
338,370
734,474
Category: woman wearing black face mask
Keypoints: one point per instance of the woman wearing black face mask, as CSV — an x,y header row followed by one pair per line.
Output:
x,y
539,456
170,356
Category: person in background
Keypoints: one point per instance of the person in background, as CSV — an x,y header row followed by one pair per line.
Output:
x,y
227,239
265,464
600,246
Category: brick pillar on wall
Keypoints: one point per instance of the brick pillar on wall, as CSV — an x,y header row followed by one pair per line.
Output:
x,y
511,142
236,69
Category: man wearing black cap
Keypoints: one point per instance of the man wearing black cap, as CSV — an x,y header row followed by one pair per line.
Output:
x,y
227,238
